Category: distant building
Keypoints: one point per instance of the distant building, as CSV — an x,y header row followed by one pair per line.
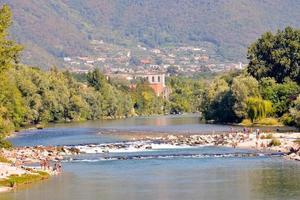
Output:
x,y
145,61
155,80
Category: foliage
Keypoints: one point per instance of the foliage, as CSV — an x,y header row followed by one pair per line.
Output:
x,y
145,101
5,144
276,56
258,108
246,122
97,80
11,105
269,136
295,111
56,96
9,50
268,121
242,88
186,94
218,102
274,142
281,95
4,160
297,141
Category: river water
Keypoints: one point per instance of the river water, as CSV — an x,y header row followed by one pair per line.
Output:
x,y
208,173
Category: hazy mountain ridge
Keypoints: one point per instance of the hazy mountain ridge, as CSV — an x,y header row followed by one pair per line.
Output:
x,y
53,29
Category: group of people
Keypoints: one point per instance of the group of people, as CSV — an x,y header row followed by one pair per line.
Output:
x,y
246,134
45,165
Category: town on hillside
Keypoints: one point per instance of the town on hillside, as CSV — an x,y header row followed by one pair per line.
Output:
x,y
182,60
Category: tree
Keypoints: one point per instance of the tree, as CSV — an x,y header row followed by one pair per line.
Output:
x,y
11,104
276,56
242,88
258,108
295,111
281,95
97,80
145,101
9,50
218,102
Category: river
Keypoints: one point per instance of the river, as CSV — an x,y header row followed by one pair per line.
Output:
x,y
183,173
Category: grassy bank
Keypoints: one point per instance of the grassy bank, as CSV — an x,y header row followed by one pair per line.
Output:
x,y
262,122
15,180
4,160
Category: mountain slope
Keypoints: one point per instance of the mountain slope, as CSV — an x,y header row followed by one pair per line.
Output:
x,y
53,29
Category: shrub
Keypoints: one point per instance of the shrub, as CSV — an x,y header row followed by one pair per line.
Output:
x,y
297,141
287,120
269,136
268,121
246,122
4,160
5,144
274,142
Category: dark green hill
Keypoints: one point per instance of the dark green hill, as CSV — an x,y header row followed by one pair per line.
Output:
x,y
53,29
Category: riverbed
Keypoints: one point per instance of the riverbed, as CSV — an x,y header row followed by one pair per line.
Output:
x,y
175,173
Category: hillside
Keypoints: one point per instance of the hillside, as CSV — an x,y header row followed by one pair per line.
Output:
x,y
52,29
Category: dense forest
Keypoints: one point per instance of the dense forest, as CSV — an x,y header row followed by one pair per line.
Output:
x,y
266,92
66,27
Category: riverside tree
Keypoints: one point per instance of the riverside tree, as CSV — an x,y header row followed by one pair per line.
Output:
x,y
11,104
295,111
242,88
258,108
276,55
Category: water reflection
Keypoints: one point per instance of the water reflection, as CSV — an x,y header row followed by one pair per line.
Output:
x,y
282,182
215,179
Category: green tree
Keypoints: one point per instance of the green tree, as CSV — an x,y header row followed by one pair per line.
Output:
x,y
9,50
97,80
281,95
145,101
218,102
11,104
258,108
295,111
242,88
186,94
276,56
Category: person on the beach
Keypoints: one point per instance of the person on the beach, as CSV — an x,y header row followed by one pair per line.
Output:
x,y
55,169
42,164
59,167
47,164
257,133
257,137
